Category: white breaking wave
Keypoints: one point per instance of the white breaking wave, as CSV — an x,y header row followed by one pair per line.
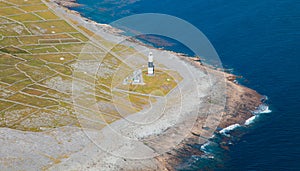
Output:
x,y
267,110
226,130
203,147
263,108
251,120
207,153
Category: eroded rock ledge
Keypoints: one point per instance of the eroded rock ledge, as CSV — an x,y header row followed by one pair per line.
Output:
x,y
70,149
240,101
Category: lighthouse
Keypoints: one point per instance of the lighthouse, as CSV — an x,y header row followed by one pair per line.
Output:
x,y
150,64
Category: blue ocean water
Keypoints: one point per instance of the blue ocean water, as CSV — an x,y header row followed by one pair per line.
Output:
x,y
259,39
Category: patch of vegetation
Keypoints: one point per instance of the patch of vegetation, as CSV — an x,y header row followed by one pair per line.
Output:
x,y
25,17
20,85
35,73
108,73
32,8
140,102
38,87
33,39
35,63
61,68
50,27
4,67
5,105
13,78
124,50
87,31
16,114
50,50
129,103
47,15
49,41
43,119
5,21
59,58
109,119
32,100
6,59
33,92
72,48
10,11
22,2
103,94
80,36
70,41
160,84
12,50
7,72
13,29
4,4
9,41
44,49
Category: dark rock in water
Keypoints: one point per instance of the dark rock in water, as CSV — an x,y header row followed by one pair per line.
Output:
x,y
263,99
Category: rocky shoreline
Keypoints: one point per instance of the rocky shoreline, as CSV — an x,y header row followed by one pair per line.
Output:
x,y
240,102
67,3
217,107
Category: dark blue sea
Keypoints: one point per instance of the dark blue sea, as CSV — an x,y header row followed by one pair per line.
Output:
x,y
258,39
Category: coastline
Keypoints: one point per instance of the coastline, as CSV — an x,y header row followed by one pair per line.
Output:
x,y
67,3
246,94
240,101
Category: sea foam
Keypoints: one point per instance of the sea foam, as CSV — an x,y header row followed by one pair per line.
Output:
x,y
208,153
204,146
267,110
226,130
251,120
263,108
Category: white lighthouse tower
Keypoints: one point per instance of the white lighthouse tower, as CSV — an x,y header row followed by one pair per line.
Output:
x,y
150,64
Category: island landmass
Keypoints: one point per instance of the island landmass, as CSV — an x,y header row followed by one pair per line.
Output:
x,y
45,45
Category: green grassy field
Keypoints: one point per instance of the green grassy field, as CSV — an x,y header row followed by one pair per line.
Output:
x,y
39,54
159,85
